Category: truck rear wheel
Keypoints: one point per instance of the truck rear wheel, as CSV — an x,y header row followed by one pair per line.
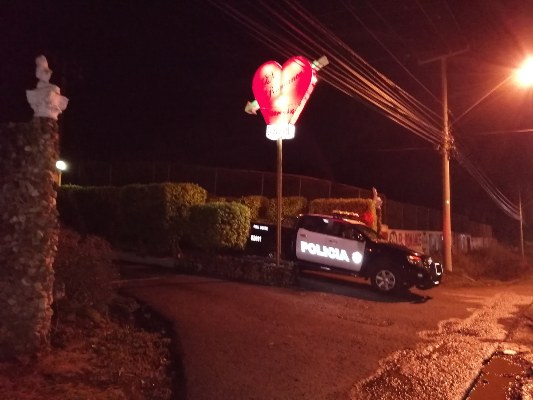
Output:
x,y
385,280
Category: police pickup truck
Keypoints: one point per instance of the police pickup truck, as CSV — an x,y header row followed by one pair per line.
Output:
x,y
341,243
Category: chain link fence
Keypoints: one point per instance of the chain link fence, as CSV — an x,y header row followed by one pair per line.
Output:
x,y
224,182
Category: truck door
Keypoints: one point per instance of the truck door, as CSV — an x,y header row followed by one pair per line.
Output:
x,y
329,242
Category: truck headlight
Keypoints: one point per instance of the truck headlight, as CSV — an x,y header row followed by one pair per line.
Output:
x,y
415,260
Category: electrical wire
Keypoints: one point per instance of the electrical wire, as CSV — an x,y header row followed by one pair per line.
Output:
x,y
432,24
386,23
294,30
350,73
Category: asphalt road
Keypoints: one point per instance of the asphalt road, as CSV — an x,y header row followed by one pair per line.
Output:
x,y
330,339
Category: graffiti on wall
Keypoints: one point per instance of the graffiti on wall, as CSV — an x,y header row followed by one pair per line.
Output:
x,y
430,242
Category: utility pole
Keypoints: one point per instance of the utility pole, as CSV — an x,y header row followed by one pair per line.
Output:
x,y
447,149
447,146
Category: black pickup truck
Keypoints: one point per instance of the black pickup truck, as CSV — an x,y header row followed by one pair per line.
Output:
x,y
341,244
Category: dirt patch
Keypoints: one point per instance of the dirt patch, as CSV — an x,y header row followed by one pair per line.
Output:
x,y
125,355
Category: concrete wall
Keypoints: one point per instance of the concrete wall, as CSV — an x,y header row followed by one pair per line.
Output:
x,y
430,242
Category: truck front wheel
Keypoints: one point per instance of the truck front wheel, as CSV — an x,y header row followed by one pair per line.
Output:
x,y
385,280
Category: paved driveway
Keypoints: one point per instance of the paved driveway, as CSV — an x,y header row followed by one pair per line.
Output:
x,y
334,340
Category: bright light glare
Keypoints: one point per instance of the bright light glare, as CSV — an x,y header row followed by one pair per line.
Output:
x,y
280,131
61,165
524,75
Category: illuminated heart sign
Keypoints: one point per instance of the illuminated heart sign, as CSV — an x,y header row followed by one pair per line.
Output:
x,y
282,91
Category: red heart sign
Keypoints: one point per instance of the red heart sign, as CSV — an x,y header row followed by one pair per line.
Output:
x,y
282,91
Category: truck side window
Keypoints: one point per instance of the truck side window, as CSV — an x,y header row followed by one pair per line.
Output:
x,y
335,228
348,233
313,224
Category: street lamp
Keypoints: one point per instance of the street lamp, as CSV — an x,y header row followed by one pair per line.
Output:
x,y
524,75
60,166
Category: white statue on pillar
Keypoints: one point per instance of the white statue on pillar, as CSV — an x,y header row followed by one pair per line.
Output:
x,y
46,100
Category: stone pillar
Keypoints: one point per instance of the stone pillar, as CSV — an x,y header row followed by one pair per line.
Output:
x,y
29,223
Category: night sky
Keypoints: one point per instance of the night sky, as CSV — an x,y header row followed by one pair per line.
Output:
x,y
168,81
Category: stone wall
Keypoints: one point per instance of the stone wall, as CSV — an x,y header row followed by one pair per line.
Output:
x,y
241,268
28,235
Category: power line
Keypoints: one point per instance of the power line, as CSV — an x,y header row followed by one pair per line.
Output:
x,y
352,75
433,25
402,65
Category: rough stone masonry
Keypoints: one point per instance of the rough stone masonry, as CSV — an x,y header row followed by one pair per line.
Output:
x,y
29,227
28,234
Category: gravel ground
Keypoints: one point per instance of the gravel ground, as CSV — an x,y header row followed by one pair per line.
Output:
x,y
449,359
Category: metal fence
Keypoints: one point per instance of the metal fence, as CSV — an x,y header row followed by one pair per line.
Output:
x,y
224,182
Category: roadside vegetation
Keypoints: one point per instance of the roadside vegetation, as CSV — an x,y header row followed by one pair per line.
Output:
x,y
103,346
497,262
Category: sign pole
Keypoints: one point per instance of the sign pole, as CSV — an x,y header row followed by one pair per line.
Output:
x,y
279,200
281,92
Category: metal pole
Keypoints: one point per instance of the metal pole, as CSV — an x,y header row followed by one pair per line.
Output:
x,y
279,190
446,197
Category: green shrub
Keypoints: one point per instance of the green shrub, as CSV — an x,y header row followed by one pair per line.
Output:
x,y
149,218
258,206
179,197
214,199
84,270
90,210
154,216
142,211
100,210
221,225
291,206
494,262
366,208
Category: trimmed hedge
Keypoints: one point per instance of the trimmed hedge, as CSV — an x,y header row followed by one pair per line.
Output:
x,y
366,208
155,218
144,219
258,206
291,206
219,225
179,197
90,210
149,218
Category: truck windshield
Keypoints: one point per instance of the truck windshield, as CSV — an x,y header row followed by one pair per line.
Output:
x,y
368,232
